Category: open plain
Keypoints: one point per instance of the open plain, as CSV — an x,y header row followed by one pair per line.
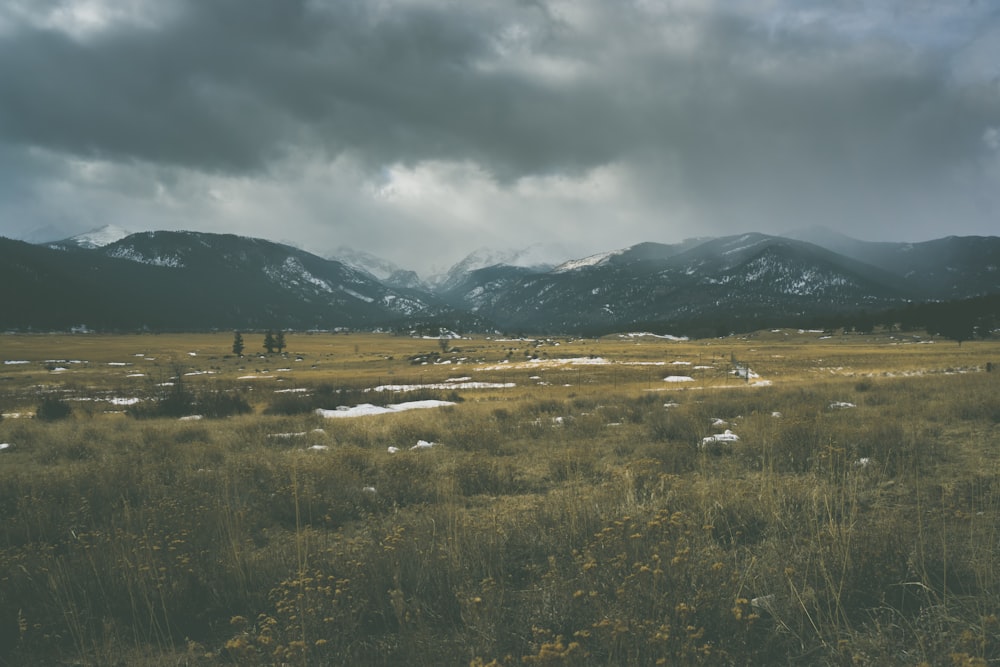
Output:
x,y
785,497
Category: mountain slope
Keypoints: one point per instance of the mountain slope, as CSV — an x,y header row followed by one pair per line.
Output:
x,y
197,281
946,268
188,280
748,276
95,238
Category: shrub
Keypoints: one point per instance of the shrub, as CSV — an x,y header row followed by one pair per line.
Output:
x,y
53,409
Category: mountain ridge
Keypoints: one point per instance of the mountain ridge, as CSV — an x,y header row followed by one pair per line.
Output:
x,y
175,280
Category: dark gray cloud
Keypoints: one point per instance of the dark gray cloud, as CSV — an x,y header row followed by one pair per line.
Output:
x,y
398,125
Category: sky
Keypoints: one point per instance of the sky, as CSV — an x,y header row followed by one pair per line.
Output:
x,y
421,130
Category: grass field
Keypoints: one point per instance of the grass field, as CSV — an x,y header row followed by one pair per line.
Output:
x,y
576,507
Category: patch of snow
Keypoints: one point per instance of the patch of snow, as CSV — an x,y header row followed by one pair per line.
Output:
x,y
124,401
727,436
356,295
445,385
593,260
134,255
393,450
423,444
191,418
297,390
286,436
4,446
645,334
13,362
368,489
678,378
317,448
100,237
365,409
841,405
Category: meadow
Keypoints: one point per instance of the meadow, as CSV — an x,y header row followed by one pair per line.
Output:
x,y
785,497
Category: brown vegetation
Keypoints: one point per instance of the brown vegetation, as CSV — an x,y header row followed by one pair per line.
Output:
x,y
573,519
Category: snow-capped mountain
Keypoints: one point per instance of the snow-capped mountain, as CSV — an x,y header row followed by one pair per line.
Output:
x,y
191,280
377,267
535,259
95,238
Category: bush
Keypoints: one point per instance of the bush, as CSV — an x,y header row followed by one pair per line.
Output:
x,y
53,409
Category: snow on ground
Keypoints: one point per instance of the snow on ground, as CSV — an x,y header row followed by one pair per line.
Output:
x,y
727,436
13,362
123,401
593,260
423,444
255,377
4,446
841,405
365,409
543,363
646,334
678,378
445,385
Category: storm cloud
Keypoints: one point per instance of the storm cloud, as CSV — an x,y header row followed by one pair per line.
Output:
x,y
421,129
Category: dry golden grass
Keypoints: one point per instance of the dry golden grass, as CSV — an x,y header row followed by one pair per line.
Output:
x,y
572,518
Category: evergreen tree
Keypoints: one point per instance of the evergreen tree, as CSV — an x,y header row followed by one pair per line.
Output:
x,y
269,342
238,344
279,341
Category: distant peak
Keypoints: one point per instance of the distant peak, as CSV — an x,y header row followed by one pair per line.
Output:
x,y
99,237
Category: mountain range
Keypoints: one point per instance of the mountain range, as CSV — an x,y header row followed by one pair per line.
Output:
x,y
109,279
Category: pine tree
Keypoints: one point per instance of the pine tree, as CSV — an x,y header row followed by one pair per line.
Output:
x,y
279,341
238,344
269,341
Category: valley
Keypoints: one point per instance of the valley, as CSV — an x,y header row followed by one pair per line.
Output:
x,y
779,496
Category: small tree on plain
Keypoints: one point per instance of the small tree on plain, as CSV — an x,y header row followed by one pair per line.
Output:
x,y
279,341
269,342
238,344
